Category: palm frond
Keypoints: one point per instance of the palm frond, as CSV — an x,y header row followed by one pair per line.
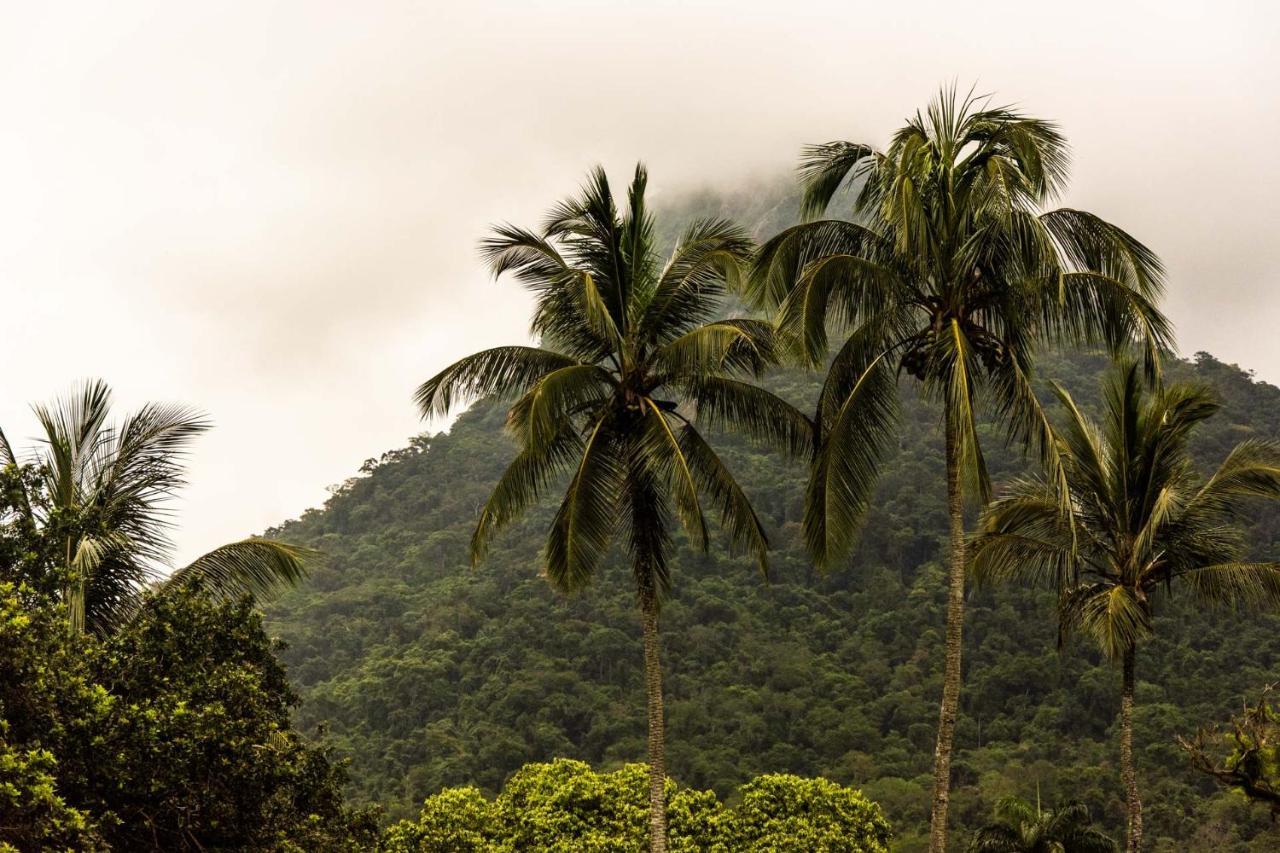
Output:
x,y
535,467
1251,469
825,168
955,367
501,371
660,450
737,516
751,410
256,567
1235,584
585,523
1110,614
734,345
708,258
546,408
845,465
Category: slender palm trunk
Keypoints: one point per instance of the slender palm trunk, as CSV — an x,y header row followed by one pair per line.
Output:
x,y
955,627
657,738
1128,773
73,593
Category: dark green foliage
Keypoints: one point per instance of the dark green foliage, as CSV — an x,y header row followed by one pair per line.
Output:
x,y
200,716
434,674
173,734
565,806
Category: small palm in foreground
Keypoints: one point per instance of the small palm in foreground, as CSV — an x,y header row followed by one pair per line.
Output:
x,y
950,270
632,355
1022,828
1141,524
99,495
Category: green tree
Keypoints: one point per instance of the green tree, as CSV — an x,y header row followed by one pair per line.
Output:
x,y
949,270
98,499
33,814
1140,524
1020,827
564,805
632,354
788,814
171,734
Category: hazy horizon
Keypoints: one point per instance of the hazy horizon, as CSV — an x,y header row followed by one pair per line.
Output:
x,y
270,211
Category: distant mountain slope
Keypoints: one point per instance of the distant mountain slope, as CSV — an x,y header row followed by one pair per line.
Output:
x,y
429,673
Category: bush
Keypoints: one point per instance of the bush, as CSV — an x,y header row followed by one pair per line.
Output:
x,y
566,806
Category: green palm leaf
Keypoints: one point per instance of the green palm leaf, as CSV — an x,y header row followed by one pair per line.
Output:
x,y
257,567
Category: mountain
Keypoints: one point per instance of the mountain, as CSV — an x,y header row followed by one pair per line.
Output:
x,y
429,673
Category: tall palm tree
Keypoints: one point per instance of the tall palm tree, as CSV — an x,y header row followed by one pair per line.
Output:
x,y
632,361
100,497
1141,524
947,269
1023,828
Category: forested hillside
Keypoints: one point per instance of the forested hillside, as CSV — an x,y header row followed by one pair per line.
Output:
x,y
429,673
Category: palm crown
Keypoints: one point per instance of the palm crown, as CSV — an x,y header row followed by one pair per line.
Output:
x,y
1021,827
100,498
632,355
1142,520
950,270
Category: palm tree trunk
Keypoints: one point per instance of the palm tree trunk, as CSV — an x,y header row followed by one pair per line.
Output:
x,y
1133,841
955,626
657,738
73,593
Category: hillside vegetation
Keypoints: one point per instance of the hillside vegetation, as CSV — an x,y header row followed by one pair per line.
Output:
x,y
430,674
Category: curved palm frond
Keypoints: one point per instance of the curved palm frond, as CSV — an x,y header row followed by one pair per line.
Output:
x,y
736,346
825,168
1235,584
255,566
846,462
708,257
1251,470
750,410
526,477
586,521
660,450
737,516
551,403
499,371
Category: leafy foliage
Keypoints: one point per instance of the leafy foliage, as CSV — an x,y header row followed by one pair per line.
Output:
x,y
33,816
173,734
432,674
566,806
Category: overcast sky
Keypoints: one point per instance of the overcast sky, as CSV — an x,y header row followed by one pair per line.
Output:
x,y
269,210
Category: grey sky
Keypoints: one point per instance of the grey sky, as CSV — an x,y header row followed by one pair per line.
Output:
x,y
269,210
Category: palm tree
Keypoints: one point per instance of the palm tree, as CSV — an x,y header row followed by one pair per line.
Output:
x,y
1141,522
1022,828
632,361
99,498
949,270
